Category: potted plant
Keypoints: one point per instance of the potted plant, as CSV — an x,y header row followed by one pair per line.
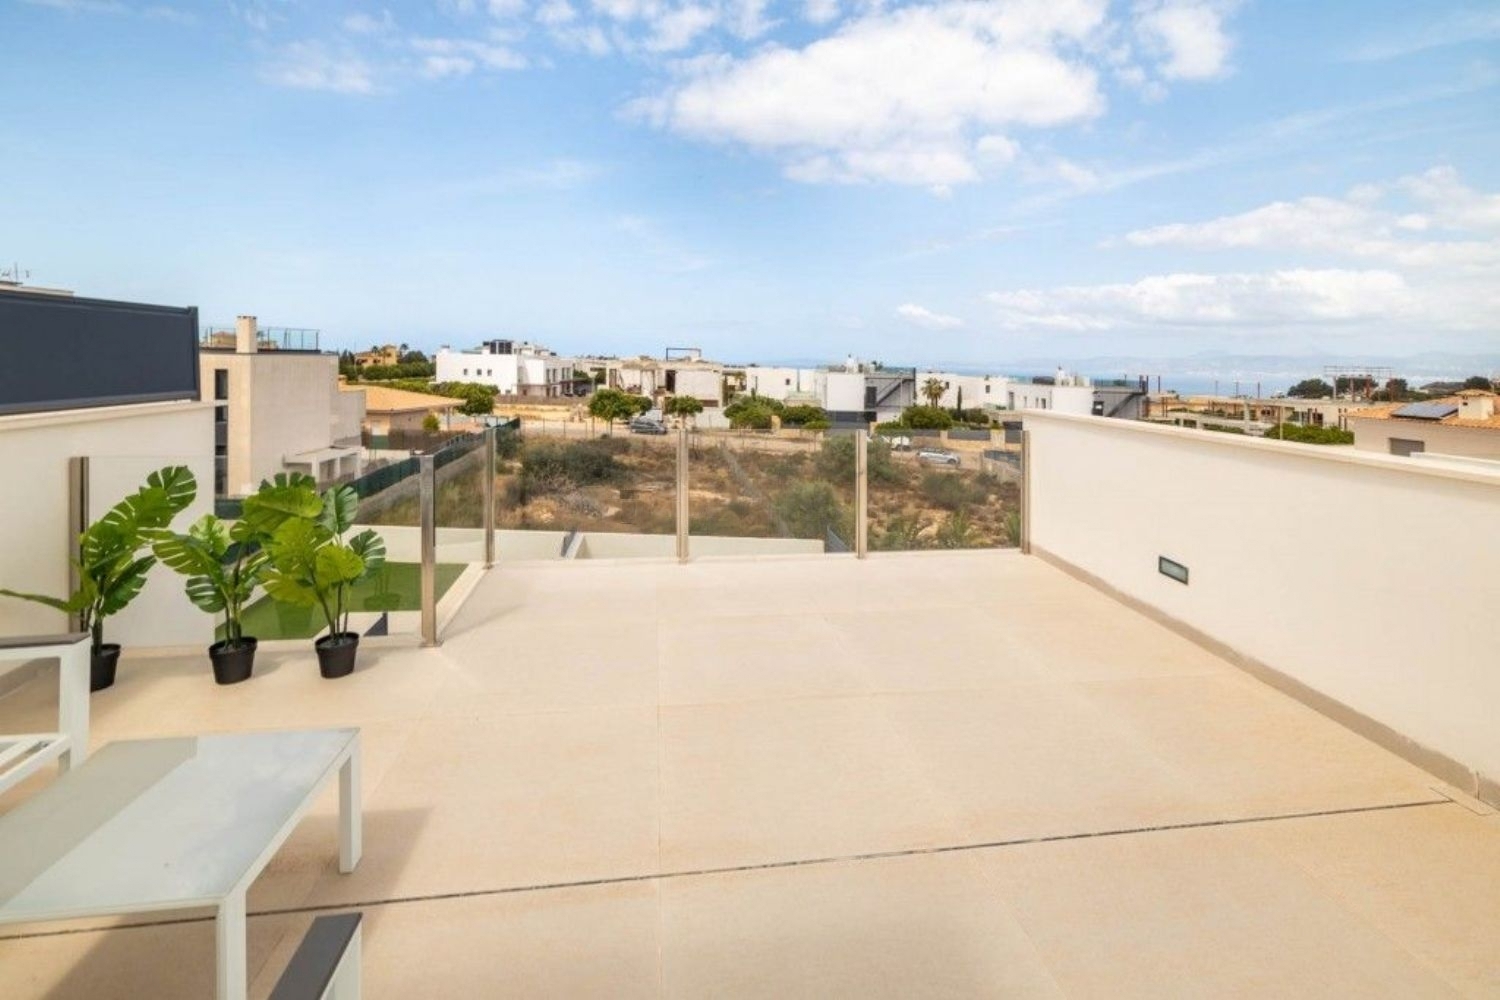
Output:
x,y
111,569
223,564
310,561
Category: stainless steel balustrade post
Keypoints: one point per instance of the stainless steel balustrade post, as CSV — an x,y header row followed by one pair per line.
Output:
x,y
78,523
427,476
491,439
861,494
1025,492
683,512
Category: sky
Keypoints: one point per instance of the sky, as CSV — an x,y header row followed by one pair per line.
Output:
x,y
936,182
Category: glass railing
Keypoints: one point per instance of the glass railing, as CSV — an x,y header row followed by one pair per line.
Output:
x,y
759,493
952,490
609,496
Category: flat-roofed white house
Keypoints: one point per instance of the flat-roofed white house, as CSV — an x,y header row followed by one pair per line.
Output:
x,y
515,368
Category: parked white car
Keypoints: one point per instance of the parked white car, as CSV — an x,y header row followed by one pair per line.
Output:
x,y
934,456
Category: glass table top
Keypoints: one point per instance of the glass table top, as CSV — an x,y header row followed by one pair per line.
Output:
x,y
158,824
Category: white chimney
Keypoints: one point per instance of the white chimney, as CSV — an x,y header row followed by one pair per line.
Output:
x,y
246,340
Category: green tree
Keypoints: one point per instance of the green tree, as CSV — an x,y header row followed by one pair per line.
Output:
x,y
610,405
803,414
1479,382
686,407
1310,388
933,390
431,424
478,399
933,418
753,412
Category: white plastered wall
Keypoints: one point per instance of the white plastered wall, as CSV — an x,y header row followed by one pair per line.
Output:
x,y
1370,579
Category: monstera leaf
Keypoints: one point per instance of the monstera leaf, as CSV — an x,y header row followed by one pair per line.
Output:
x,y
340,505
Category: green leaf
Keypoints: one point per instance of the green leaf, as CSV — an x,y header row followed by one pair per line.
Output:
x,y
212,534
186,555
125,585
289,589
206,594
335,565
370,548
340,506
178,484
73,605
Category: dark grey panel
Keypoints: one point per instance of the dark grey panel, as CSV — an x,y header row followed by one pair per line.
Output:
x,y
1426,411
62,353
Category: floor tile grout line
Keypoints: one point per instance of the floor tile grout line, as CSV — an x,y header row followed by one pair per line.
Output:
x,y
907,852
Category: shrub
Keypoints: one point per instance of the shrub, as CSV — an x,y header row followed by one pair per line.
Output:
x,y
933,418
811,509
548,466
1310,435
803,416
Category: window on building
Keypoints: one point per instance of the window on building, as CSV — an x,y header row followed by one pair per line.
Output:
x,y
1406,446
221,414
221,383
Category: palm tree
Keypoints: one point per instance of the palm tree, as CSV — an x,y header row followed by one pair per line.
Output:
x,y
933,389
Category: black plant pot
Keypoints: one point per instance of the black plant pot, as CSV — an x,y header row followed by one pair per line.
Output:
x,y
102,666
336,654
233,664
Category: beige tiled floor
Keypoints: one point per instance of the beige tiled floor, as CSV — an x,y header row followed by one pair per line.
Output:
x,y
914,776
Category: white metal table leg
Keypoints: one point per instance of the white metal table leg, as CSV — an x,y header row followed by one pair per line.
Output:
x,y
73,702
230,928
351,818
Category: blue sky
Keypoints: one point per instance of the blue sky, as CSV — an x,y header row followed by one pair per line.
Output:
x,y
925,182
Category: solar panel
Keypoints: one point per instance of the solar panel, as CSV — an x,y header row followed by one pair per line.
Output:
x,y
1426,411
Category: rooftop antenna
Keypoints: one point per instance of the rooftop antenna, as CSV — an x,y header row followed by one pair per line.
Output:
x,y
13,275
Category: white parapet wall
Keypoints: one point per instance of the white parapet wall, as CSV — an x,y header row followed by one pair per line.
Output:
x,y
1370,581
123,444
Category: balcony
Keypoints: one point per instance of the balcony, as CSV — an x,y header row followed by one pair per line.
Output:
x,y
936,774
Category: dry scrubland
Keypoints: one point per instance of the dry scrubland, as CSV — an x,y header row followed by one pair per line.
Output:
x,y
802,489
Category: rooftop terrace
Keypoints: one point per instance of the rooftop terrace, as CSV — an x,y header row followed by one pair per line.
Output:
x,y
959,774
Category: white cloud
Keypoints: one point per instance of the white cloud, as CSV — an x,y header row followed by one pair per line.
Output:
x,y
555,13
1273,298
926,318
820,11
894,95
444,57
368,24
1457,28
313,66
1187,36
676,29
1359,225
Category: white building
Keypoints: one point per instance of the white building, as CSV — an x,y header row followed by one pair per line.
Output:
x,y
773,382
1064,393
515,369
685,375
973,392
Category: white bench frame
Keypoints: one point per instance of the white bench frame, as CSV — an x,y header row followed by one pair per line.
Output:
x,y
23,755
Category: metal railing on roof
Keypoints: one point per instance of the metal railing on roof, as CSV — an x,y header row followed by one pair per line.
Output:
x,y
268,338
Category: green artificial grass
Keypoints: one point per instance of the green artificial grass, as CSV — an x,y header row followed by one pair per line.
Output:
x,y
396,587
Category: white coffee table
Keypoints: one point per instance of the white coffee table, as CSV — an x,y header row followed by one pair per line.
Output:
x,y
168,824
